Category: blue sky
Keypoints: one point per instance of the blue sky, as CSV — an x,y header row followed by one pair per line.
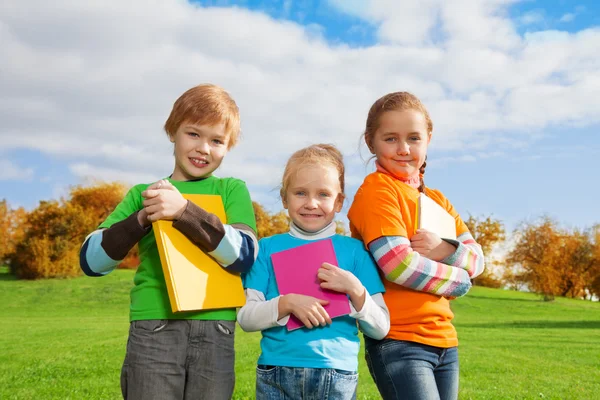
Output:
x,y
512,90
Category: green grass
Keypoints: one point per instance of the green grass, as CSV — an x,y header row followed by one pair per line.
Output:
x,y
65,339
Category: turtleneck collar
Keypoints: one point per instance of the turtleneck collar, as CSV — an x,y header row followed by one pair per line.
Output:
x,y
300,233
413,181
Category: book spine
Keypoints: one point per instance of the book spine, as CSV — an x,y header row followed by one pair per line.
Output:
x,y
173,299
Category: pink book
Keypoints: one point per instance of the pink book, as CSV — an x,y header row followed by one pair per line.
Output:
x,y
296,272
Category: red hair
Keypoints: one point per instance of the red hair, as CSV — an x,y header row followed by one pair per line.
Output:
x,y
206,104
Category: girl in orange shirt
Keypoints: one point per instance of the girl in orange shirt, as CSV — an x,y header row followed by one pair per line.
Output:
x,y
418,359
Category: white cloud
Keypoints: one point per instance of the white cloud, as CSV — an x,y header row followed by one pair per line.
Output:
x,y
532,17
10,171
568,17
94,81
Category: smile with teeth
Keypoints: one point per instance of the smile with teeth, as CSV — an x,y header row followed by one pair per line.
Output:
x,y
310,215
197,162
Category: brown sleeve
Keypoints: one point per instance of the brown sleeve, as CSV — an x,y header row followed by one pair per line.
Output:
x,y
204,229
122,236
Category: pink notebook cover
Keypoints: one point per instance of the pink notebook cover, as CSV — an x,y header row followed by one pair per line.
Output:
x,y
296,272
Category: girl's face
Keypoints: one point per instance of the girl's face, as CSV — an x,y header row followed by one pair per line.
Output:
x,y
400,143
313,197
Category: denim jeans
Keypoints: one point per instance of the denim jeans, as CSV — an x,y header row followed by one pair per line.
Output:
x,y
409,370
179,360
285,383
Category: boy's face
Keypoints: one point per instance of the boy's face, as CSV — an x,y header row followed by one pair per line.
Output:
x,y
199,150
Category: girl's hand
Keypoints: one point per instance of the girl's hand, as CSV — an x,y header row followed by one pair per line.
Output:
x,y
340,280
163,201
430,245
307,309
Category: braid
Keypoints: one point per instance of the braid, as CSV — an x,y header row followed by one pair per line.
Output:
x,y
421,175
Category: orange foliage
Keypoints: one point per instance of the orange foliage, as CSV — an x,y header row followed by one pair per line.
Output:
x,y
487,232
12,229
269,224
555,261
50,246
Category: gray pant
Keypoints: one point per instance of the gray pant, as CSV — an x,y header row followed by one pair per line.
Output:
x,y
179,360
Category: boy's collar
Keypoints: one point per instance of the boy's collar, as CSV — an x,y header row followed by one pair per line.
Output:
x,y
300,233
191,180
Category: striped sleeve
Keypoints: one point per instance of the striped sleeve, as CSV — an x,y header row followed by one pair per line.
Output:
x,y
93,259
405,267
233,246
237,249
468,255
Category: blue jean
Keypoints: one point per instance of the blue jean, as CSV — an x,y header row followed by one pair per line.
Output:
x,y
179,360
409,370
285,383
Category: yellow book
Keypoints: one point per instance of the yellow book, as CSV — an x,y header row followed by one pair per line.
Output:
x,y
195,281
431,216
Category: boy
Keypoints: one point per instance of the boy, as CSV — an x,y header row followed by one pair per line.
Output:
x,y
189,354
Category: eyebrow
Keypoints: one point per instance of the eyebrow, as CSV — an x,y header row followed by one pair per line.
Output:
x,y
398,133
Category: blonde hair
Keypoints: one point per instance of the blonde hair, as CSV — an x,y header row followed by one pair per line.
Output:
x,y
317,154
396,101
206,104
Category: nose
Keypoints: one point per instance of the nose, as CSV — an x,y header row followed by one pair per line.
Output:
x,y
311,203
203,147
403,148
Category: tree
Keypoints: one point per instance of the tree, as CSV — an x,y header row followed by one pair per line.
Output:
x,y
555,261
11,229
50,246
99,199
55,230
269,224
487,232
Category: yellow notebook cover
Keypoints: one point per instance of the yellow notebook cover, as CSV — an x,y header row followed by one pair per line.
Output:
x,y
433,217
195,281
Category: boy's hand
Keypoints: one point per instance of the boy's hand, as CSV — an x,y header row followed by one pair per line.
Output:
x,y
142,218
163,201
307,309
430,245
340,280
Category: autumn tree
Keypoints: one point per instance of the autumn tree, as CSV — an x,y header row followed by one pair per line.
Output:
x,y
487,232
55,231
593,285
12,229
50,246
98,200
268,224
555,261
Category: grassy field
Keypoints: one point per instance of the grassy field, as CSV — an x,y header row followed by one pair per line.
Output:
x,y
65,339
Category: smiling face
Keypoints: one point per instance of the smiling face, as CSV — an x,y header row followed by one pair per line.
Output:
x,y
400,142
313,196
199,150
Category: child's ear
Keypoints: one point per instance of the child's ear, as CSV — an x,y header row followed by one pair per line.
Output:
x,y
284,202
339,203
172,138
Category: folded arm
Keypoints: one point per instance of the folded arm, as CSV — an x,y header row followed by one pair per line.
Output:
x,y
259,314
405,267
234,246
104,249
